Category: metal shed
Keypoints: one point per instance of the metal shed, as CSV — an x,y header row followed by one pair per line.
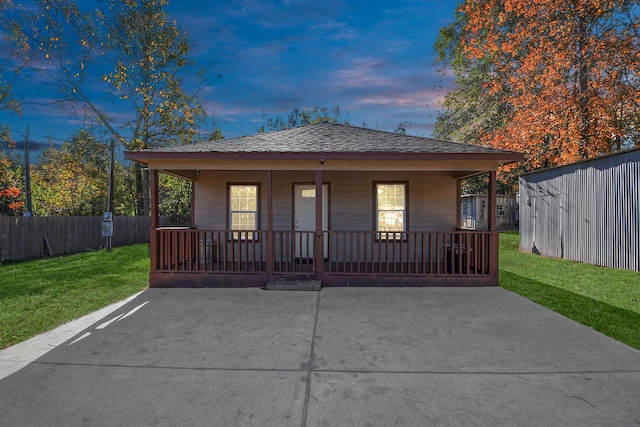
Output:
x,y
587,211
473,211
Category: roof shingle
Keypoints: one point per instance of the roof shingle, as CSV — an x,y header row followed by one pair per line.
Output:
x,y
329,138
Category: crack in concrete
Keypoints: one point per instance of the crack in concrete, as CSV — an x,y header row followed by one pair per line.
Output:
x,y
310,367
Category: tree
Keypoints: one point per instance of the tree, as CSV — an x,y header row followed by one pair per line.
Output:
x,y
174,193
561,79
470,110
125,201
402,127
174,199
152,52
11,197
122,53
11,202
10,67
71,180
298,117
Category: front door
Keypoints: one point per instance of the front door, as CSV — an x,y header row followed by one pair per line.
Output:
x,y
304,218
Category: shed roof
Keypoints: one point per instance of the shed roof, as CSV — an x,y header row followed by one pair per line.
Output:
x,y
324,138
610,159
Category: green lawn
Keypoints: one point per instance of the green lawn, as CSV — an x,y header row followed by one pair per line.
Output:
x,y
606,299
36,296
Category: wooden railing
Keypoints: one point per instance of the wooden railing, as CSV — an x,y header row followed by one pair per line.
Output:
x,y
409,253
225,251
466,253
293,252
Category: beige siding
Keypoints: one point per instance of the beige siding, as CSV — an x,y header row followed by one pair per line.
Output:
x,y
432,198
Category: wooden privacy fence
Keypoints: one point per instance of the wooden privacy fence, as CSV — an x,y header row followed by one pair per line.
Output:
x,y
33,237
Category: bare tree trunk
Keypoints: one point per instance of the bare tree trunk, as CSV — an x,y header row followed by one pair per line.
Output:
x,y
139,191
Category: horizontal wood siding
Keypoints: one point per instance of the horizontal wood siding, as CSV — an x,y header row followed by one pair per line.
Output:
x,y
588,212
432,198
26,237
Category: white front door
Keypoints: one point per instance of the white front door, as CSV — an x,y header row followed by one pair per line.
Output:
x,y
304,218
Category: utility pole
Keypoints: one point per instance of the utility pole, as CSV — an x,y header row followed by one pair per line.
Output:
x,y
107,224
27,173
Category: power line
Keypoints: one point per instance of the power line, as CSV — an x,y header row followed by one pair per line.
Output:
x,y
21,132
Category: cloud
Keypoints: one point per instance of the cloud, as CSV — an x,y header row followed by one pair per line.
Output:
x,y
417,99
374,60
36,146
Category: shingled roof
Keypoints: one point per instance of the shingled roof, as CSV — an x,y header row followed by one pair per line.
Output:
x,y
329,138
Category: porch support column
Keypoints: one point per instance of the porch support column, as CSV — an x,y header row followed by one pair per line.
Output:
x,y
491,223
155,220
458,203
318,249
270,248
193,204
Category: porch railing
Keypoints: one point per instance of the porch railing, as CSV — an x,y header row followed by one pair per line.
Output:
x,y
200,251
409,253
283,252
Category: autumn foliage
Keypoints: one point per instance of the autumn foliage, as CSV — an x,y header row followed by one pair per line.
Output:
x,y
567,74
10,197
11,202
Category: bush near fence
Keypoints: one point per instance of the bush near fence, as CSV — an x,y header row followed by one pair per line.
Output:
x,y
34,237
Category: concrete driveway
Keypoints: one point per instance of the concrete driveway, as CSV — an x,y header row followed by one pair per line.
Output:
x,y
339,357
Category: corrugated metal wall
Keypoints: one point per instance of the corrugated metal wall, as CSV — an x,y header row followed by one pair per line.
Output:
x,y
588,211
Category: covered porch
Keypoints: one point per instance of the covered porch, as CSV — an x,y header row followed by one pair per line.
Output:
x,y
206,257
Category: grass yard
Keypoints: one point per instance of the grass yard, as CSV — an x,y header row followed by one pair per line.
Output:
x,y
36,296
606,299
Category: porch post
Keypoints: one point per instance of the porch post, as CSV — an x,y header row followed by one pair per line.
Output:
x,y
155,220
193,204
319,234
270,248
491,223
458,203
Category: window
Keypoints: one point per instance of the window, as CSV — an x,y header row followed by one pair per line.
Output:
x,y
243,210
391,205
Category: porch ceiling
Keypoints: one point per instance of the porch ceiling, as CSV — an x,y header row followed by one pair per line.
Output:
x,y
186,167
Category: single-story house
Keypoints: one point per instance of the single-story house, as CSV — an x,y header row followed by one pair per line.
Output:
x,y
588,211
341,204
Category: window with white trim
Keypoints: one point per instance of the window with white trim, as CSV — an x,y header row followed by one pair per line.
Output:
x,y
243,209
391,212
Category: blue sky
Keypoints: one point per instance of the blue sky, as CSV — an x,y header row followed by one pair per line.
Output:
x,y
374,59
